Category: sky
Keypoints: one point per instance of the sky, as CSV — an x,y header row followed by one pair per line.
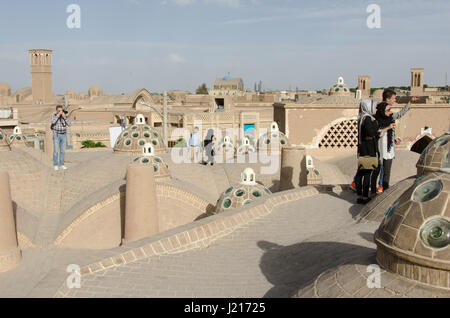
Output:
x,y
123,45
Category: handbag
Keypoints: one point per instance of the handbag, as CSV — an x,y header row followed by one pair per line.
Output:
x,y
368,163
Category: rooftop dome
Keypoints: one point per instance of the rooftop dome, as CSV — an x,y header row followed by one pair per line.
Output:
x,y
246,147
5,89
4,143
313,175
241,193
435,156
274,136
17,139
228,78
148,157
340,89
135,137
414,238
225,149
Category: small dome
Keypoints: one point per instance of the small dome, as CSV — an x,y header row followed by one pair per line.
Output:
x,y
5,89
340,89
95,91
246,147
135,137
225,149
313,175
274,136
148,157
4,141
17,139
228,78
436,155
241,193
414,236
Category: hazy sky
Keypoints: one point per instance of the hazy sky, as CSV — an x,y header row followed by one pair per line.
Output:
x,y
123,45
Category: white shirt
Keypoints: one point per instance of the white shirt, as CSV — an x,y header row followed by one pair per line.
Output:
x,y
195,140
384,145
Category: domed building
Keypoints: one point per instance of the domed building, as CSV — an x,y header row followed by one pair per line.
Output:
x,y
95,91
275,136
5,89
17,139
135,137
148,157
241,193
4,141
413,249
340,89
436,156
414,236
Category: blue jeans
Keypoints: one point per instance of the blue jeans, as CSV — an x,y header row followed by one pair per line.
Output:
x,y
380,183
59,146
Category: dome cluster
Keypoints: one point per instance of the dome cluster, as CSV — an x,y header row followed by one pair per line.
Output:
x,y
148,157
415,233
241,193
436,156
135,137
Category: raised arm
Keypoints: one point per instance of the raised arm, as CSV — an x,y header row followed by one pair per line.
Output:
x,y
401,113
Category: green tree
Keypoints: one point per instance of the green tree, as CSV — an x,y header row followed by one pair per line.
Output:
x,y
202,89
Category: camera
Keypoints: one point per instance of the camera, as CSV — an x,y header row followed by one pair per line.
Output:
x,y
65,112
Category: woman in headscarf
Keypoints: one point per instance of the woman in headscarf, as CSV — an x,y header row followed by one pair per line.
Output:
x,y
367,147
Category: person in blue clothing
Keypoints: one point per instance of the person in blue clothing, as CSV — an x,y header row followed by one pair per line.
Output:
x,y
195,144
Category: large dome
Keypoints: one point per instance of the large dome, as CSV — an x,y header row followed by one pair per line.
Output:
x,y
436,155
241,193
4,142
340,89
414,238
135,137
148,157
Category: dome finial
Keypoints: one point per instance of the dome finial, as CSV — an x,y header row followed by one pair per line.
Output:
x,y
140,120
148,150
248,177
17,130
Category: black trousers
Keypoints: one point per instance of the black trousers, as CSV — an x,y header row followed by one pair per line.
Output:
x,y
387,165
366,180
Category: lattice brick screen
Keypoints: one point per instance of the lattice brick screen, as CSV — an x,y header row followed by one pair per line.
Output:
x,y
341,135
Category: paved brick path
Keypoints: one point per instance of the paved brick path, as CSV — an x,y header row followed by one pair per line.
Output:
x,y
272,257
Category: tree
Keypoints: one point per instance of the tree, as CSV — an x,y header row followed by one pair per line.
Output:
x,y
202,89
